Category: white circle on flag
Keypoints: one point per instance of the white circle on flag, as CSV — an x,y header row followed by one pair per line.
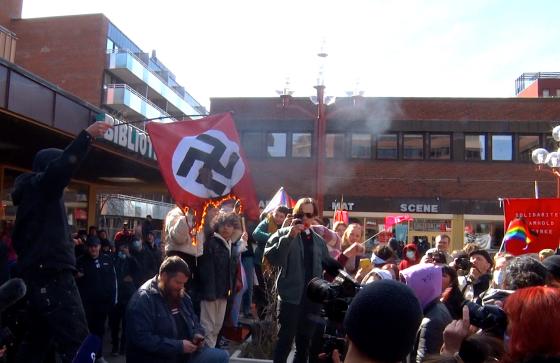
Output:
x,y
218,154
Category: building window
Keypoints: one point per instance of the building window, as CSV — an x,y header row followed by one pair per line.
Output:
x,y
502,147
440,147
301,145
387,146
276,144
413,146
111,46
334,146
475,147
361,146
526,145
546,92
251,142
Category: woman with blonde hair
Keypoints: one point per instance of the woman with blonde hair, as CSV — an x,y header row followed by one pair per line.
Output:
x,y
352,234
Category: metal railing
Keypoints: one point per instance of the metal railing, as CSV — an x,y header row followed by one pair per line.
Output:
x,y
526,78
185,97
143,98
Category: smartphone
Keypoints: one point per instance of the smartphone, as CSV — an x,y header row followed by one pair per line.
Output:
x,y
365,263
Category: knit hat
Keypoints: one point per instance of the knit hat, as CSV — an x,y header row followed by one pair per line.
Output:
x,y
484,254
552,264
370,320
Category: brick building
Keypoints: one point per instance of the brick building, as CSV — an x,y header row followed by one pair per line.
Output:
x,y
445,161
65,71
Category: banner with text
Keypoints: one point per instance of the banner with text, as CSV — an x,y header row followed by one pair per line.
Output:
x,y
542,216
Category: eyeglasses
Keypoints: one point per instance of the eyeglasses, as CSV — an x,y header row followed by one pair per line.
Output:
x,y
307,215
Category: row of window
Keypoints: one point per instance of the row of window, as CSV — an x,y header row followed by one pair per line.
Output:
x,y
394,146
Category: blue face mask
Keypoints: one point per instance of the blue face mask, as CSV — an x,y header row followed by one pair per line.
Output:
x,y
136,245
121,255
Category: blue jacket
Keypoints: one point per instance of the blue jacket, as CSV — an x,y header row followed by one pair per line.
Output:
x,y
287,253
151,334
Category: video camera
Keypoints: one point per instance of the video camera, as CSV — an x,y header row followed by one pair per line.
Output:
x,y
490,318
335,297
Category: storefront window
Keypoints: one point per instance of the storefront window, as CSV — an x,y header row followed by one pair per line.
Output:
x,y
387,146
440,147
413,146
334,146
527,143
7,210
502,147
475,147
276,144
361,146
487,234
301,145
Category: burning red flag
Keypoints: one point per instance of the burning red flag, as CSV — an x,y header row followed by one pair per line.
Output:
x,y
202,163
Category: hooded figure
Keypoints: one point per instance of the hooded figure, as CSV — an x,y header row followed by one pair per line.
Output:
x,y
426,282
46,259
410,256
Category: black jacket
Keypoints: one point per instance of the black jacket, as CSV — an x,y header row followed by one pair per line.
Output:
x,y
216,270
146,265
124,268
99,283
429,338
151,333
41,237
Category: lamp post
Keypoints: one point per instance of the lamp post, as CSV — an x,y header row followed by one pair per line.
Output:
x,y
543,159
320,130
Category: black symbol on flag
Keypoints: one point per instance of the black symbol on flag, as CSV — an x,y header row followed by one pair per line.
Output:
x,y
211,163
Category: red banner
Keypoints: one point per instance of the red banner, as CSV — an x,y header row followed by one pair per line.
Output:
x,y
542,217
390,221
202,162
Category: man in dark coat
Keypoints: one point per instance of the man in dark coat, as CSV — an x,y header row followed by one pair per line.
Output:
x,y
98,287
161,324
124,268
46,259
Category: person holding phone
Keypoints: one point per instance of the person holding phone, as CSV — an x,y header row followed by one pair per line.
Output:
x,y
162,326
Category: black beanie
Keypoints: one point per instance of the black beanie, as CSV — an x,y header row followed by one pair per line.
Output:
x,y
552,264
383,319
484,254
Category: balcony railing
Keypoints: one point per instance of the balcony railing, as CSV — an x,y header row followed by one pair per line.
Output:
x,y
527,78
124,60
127,101
7,44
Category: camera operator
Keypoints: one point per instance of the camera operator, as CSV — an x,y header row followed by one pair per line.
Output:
x,y
479,277
372,334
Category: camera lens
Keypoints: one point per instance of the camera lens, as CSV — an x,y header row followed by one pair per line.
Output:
x,y
318,290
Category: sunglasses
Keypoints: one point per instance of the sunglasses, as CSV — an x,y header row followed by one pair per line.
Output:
x,y
301,215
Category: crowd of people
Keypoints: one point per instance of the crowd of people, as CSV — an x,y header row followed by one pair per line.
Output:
x,y
170,300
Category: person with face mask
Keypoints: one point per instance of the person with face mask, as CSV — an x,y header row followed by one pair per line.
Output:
x,y
410,256
146,264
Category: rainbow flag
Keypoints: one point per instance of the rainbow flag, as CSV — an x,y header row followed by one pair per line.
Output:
x,y
518,230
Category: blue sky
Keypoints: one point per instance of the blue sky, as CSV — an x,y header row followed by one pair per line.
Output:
x,y
224,48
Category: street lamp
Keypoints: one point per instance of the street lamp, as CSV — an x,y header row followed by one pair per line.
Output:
x,y
320,129
543,158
